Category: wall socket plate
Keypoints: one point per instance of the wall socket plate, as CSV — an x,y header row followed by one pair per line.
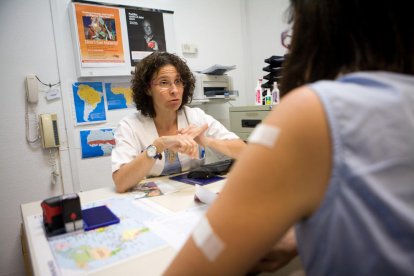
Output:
x,y
189,48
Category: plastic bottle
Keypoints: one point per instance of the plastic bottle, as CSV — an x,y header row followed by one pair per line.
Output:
x,y
275,94
258,99
268,97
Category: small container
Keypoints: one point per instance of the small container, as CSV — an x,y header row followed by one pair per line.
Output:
x,y
275,94
268,97
258,100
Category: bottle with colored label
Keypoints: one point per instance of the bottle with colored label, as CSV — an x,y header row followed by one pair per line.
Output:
x,y
268,97
275,94
258,100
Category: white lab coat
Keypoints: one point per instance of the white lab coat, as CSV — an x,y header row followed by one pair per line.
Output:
x,y
136,132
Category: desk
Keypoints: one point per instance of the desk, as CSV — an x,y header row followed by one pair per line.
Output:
x,y
38,253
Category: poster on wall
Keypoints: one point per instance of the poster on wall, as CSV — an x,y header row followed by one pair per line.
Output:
x,y
99,34
89,102
146,33
97,142
119,95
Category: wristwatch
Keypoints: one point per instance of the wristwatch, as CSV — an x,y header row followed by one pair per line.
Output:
x,y
152,152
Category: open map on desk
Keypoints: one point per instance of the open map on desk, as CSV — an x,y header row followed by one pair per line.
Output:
x,y
85,252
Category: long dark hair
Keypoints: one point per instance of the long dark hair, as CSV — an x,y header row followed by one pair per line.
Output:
x,y
333,37
149,66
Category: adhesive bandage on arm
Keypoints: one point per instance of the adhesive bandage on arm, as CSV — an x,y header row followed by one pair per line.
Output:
x,y
206,240
264,135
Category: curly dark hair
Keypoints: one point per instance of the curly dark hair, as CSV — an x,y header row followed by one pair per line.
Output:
x,y
333,37
144,72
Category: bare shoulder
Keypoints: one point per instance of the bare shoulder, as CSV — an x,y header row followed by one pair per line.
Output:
x,y
301,106
305,142
272,185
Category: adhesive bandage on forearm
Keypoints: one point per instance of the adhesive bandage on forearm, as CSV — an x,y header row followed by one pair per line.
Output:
x,y
206,240
264,135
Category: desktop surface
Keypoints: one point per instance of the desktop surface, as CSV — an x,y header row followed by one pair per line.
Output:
x,y
41,257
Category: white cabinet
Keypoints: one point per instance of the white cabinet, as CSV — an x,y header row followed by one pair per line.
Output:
x,y
243,119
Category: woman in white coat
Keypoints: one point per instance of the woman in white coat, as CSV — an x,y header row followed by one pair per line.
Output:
x,y
165,136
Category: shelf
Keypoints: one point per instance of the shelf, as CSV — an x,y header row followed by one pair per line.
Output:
x,y
211,100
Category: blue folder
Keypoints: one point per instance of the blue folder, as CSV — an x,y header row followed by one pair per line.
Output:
x,y
97,217
184,178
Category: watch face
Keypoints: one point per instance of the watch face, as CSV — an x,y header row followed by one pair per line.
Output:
x,y
151,151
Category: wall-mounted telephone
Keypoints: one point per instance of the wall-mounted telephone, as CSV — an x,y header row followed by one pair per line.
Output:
x,y
49,130
32,90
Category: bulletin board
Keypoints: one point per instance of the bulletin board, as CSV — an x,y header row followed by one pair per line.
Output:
x,y
109,40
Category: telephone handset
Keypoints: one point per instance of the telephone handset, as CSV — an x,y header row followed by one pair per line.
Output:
x,y
32,90
49,130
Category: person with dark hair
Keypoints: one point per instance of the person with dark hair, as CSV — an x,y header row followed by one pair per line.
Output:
x,y
335,159
165,136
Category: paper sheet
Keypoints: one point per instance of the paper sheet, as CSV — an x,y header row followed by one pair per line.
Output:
x,y
176,228
205,195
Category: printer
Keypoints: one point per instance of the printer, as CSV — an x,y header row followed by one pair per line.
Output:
x,y
212,86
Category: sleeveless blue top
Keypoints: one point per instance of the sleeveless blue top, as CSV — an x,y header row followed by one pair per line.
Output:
x,y
365,224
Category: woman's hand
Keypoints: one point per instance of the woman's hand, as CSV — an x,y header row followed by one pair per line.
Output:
x,y
181,143
186,141
196,132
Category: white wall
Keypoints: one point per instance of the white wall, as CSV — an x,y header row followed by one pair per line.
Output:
x,y
27,47
266,20
232,32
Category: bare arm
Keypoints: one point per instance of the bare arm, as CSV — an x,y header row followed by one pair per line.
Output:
x,y
279,256
268,190
231,148
133,172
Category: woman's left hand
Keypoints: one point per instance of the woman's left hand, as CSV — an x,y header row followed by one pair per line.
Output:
x,y
182,143
196,132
